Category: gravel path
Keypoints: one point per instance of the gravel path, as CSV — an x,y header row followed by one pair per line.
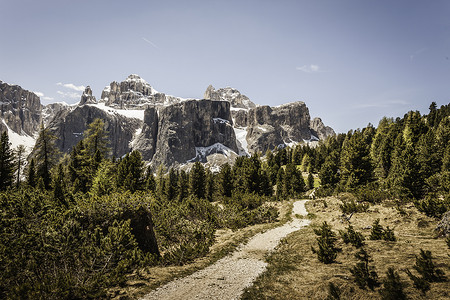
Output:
x,y
229,276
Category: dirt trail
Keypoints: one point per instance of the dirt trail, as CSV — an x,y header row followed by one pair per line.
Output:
x,y
228,277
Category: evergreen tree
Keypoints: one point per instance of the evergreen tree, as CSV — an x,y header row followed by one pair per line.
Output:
x,y
280,181
6,162
59,186
310,184
20,159
392,286
197,180
355,165
364,274
172,185
150,182
329,172
45,154
104,182
377,231
225,180
326,240
96,139
183,185
31,177
130,171
209,186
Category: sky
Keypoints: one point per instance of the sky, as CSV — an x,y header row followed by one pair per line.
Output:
x,y
351,62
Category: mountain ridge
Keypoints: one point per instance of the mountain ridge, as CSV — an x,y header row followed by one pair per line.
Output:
x,y
166,129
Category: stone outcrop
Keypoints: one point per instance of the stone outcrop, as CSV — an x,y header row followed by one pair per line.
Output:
x,y
134,93
20,109
87,97
185,127
271,127
320,130
69,126
231,95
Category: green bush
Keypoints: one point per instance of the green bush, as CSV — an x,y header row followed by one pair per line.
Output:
x,y
364,275
327,251
353,237
392,287
351,206
433,205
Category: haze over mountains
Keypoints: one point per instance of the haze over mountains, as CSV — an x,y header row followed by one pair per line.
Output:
x,y
166,129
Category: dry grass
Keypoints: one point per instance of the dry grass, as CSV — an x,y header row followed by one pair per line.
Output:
x,y
295,273
227,240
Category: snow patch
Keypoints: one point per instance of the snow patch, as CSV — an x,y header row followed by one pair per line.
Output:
x,y
129,113
241,138
221,121
203,152
20,139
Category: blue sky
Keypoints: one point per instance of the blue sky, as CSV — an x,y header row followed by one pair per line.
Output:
x,y
352,62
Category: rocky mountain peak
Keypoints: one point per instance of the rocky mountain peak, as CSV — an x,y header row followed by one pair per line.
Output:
x,y
20,109
133,92
87,97
229,94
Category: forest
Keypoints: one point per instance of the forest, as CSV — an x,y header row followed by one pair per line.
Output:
x,y
74,225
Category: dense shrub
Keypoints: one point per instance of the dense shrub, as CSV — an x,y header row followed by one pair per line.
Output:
x,y
327,251
364,275
392,287
353,237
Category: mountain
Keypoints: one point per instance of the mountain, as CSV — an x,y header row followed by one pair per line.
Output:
x,y
166,129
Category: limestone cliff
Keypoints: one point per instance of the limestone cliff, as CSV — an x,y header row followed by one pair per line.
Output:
x,y
20,109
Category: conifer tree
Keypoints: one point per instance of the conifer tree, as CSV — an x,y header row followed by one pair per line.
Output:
x,y
6,162
59,186
45,154
183,185
225,180
150,182
96,139
310,184
197,180
364,274
172,185
31,176
326,240
20,159
130,172
392,286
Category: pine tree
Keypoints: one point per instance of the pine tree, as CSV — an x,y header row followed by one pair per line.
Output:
x,y
183,185
130,171
172,185
31,177
392,286
377,231
364,274
225,180
197,180
150,182
280,181
425,267
96,139
45,154
59,186
6,162
326,240
310,184
20,159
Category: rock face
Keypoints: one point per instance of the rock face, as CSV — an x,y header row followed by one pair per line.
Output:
x,y
320,130
69,126
231,95
185,128
134,93
87,97
20,109
271,127
165,129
